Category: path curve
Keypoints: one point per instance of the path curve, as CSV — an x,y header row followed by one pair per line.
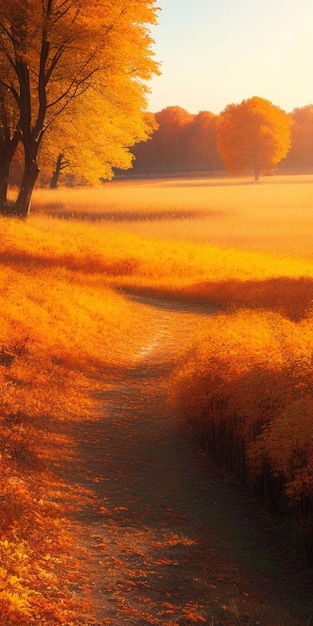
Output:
x,y
167,541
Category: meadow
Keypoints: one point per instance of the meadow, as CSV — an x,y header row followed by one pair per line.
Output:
x,y
273,215
244,382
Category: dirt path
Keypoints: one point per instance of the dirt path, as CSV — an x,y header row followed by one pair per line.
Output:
x,y
166,540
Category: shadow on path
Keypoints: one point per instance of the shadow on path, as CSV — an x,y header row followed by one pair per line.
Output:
x,y
167,540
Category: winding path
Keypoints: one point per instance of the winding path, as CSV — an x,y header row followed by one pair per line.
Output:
x,y
166,540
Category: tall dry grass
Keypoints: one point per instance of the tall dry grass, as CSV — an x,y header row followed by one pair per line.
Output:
x,y
273,215
228,242
245,386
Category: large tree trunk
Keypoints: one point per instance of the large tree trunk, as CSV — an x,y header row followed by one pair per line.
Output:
x,y
54,179
4,183
8,146
23,202
60,165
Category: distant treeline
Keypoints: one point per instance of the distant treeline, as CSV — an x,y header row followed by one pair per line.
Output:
x,y
185,142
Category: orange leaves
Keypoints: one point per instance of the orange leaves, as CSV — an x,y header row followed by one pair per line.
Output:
x,y
245,388
175,540
253,136
300,153
14,598
181,140
287,446
195,619
189,612
164,561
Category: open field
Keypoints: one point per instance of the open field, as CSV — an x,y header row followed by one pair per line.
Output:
x,y
273,215
67,328
228,242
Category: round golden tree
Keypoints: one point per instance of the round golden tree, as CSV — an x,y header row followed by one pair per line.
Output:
x,y
253,136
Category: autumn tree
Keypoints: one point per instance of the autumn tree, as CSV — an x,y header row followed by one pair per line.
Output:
x,y
253,136
300,155
172,122
55,51
165,150
200,143
70,150
182,141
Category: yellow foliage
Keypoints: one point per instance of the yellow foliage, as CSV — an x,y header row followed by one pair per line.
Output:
x,y
245,385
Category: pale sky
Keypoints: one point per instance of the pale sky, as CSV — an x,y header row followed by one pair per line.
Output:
x,y
218,52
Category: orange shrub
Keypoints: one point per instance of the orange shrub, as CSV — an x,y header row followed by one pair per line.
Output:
x,y
245,387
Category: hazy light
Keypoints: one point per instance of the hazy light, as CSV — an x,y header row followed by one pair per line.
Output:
x,y
218,52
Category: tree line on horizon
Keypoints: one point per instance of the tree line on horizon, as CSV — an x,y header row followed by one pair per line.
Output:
x,y
219,143
73,101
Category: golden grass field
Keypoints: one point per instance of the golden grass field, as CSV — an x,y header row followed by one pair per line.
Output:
x,y
228,241
273,215
243,246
